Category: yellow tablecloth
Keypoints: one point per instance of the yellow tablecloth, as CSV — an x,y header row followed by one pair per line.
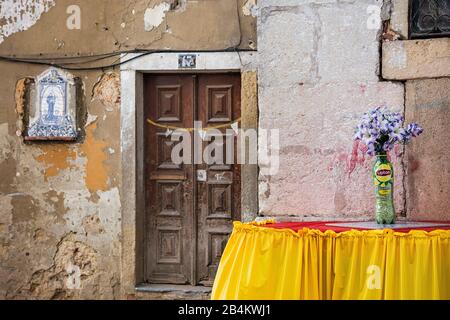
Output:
x,y
267,263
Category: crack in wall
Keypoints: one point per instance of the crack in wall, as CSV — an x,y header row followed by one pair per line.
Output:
x,y
404,213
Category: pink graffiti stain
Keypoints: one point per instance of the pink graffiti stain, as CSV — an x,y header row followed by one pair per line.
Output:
x,y
363,88
358,156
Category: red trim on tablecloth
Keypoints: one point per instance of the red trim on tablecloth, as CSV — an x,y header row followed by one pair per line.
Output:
x,y
321,225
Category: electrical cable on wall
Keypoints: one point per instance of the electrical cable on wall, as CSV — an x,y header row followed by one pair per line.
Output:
x,y
65,65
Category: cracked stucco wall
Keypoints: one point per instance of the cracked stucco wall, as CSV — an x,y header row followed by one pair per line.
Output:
x,y
60,203
108,25
60,206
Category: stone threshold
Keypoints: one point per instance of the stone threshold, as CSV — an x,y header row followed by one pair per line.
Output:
x,y
147,291
171,288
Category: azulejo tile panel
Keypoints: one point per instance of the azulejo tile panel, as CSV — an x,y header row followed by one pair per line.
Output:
x,y
53,107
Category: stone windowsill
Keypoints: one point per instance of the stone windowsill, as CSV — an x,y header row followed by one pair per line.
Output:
x,y
416,59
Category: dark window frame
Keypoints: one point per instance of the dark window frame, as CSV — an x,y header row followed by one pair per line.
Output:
x,y
429,18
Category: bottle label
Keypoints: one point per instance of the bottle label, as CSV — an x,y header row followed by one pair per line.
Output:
x,y
382,174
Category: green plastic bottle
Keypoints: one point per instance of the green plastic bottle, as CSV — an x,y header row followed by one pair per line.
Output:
x,y
383,179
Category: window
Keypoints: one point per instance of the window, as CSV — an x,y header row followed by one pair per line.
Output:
x,y
429,18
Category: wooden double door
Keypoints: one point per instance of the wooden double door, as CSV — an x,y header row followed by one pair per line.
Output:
x,y
190,206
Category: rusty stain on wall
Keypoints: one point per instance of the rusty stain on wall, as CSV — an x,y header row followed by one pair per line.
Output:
x,y
56,157
20,95
20,98
96,175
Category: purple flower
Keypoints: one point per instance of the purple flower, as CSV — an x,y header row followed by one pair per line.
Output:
x,y
414,129
380,129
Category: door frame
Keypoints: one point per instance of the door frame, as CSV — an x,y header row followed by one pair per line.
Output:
x,y
132,142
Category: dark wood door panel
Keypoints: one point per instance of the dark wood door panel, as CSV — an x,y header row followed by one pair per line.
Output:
x,y
218,198
169,187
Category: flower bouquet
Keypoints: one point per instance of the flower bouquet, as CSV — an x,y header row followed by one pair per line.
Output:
x,y
380,129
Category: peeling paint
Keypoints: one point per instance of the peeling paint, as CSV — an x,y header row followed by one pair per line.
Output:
x,y
250,8
19,16
51,283
93,225
56,200
96,176
56,158
90,120
20,95
41,235
109,200
178,5
153,17
8,164
5,217
107,89
8,173
4,143
24,208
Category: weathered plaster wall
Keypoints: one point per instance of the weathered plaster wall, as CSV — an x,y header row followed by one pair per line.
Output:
x,y
108,25
60,207
428,159
323,74
60,203
60,212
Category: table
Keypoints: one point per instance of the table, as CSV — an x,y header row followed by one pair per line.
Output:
x,y
313,260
